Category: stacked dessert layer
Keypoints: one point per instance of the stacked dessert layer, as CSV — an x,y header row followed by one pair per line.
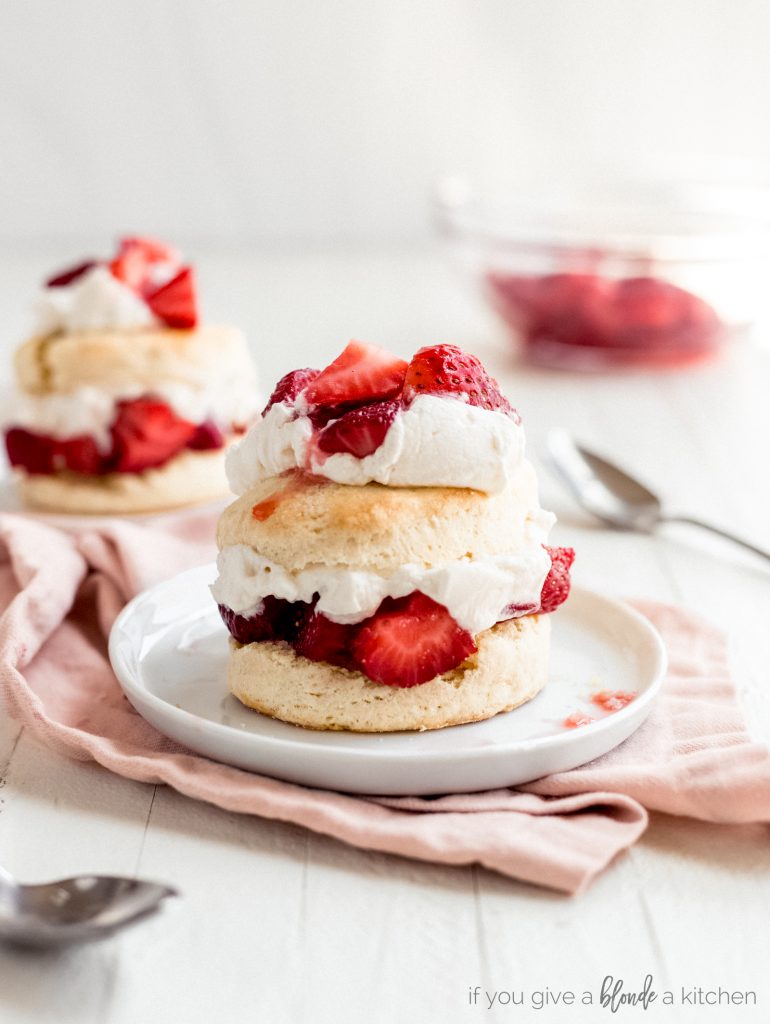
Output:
x,y
384,566
125,402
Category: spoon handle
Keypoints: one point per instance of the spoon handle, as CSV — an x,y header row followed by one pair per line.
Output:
x,y
722,533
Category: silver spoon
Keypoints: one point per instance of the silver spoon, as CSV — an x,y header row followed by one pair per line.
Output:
x,y
74,909
616,498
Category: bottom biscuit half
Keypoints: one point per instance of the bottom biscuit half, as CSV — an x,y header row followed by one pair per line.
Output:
x,y
190,478
509,668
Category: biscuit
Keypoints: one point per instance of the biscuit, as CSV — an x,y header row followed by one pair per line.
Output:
x,y
137,358
190,478
509,668
317,522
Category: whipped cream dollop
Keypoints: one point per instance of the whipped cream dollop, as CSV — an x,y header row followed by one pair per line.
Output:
x,y
91,411
435,441
97,300
474,590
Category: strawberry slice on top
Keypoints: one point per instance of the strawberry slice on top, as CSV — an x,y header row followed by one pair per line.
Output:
x,y
71,274
152,249
176,302
410,641
138,257
359,432
131,268
361,373
289,386
447,370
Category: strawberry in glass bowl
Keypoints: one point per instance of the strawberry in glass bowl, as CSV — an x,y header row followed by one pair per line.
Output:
x,y
647,273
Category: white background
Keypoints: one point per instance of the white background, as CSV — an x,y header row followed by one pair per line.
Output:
x,y
258,122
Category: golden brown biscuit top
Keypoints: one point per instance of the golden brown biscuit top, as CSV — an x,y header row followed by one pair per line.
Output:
x,y
299,521
62,363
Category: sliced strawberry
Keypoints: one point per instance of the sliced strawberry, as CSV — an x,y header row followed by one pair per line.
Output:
x,y
131,268
447,370
360,431
255,628
278,620
137,259
557,583
320,639
289,386
147,433
80,455
31,452
207,437
360,373
175,303
409,641
153,250
65,277
39,453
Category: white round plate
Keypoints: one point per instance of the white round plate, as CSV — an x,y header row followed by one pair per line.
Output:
x,y
169,650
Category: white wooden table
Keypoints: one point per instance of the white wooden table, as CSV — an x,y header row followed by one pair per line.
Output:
x,y
278,924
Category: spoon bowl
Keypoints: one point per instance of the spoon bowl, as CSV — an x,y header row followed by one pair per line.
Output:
x,y
614,496
603,488
73,910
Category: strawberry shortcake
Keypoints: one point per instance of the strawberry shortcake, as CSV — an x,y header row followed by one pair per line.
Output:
x,y
125,401
385,565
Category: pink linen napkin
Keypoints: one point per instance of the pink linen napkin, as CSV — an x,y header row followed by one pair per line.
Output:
x,y
60,590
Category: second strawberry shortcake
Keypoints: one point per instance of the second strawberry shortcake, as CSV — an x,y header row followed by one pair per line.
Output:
x,y
385,565
125,400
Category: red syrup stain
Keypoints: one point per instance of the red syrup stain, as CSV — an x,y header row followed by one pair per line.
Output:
x,y
296,481
576,719
612,700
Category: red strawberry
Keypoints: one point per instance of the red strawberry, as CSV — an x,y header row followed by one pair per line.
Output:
x,y
175,303
410,641
147,433
360,373
65,277
360,431
447,370
153,250
255,628
136,259
278,620
38,453
31,452
289,386
80,455
131,267
207,436
569,308
320,639
557,583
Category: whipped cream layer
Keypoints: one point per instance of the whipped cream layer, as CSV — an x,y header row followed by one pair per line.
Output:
x,y
435,441
94,301
474,590
91,411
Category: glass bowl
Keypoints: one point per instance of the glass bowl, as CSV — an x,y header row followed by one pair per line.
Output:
x,y
640,273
